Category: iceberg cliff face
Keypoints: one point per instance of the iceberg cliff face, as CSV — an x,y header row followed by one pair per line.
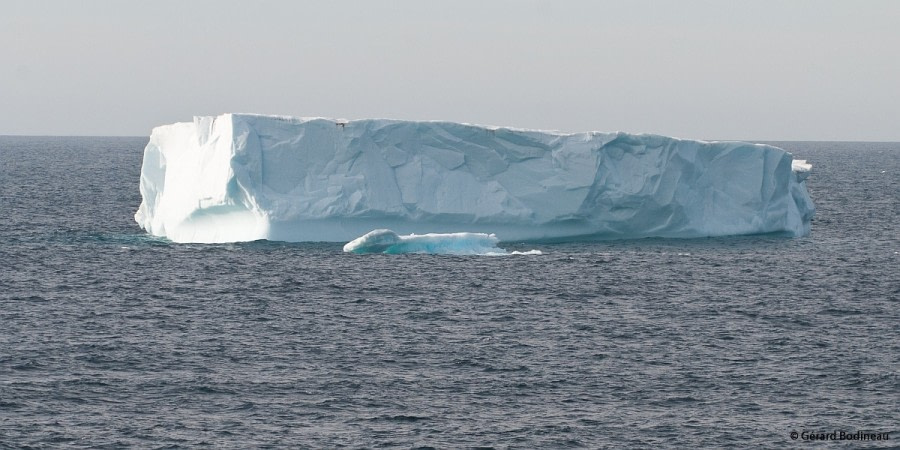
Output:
x,y
247,177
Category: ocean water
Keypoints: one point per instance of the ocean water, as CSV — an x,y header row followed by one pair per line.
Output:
x,y
109,337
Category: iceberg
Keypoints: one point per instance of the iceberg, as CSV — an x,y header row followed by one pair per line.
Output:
x,y
244,177
389,242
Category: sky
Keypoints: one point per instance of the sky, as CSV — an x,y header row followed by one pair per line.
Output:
x,y
750,70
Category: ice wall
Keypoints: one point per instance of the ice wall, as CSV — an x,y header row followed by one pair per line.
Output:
x,y
239,177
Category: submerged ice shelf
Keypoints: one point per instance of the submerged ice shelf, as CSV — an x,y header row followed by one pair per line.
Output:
x,y
241,177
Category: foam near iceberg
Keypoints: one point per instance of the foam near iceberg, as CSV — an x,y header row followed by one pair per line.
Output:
x,y
241,177
389,242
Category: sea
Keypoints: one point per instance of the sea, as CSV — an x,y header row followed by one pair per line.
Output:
x,y
113,338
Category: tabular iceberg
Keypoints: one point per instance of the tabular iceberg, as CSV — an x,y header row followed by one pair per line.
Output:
x,y
242,177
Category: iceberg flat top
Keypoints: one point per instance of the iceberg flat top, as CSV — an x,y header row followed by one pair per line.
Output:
x,y
239,177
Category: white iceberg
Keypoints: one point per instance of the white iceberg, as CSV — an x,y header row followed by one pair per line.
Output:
x,y
389,242
241,177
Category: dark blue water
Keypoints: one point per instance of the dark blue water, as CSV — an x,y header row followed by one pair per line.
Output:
x,y
111,338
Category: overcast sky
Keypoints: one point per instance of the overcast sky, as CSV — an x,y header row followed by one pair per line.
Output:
x,y
758,70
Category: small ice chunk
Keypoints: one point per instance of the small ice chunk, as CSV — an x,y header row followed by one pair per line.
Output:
x,y
387,241
800,165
